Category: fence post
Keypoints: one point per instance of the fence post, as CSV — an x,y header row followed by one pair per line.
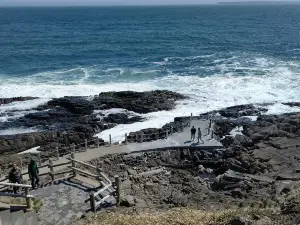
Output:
x,y
40,159
93,202
118,190
51,170
85,144
142,137
126,139
209,123
172,130
28,199
73,147
212,133
57,153
73,163
98,144
21,163
167,134
110,140
136,137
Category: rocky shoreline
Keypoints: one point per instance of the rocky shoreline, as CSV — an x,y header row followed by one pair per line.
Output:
x,y
259,169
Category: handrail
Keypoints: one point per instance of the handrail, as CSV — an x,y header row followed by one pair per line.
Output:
x,y
15,195
82,163
15,185
84,172
60,164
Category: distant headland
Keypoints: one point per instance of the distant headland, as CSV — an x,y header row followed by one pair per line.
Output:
x,y
256,2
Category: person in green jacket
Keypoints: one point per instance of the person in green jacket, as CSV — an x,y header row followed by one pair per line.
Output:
x,y
33,172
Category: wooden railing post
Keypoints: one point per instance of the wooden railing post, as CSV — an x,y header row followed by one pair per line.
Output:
x,y
40,159
209,123
142,138
172,130
98,142
167,134
136,137
212,133
57,153
85,145
73,163
110,140
51,170
28,199
118,190
93,202
21,168
126,142
73,147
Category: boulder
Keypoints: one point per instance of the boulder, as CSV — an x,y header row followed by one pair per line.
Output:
x,y
240,221
76,105
128,201
140,102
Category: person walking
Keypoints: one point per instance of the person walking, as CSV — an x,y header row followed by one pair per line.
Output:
x,y
193,133
14,176
33,172
200,135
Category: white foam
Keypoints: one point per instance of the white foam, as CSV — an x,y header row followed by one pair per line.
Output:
x,y
235,131
279,108
264,80
16,110
108,112
12,131
252,118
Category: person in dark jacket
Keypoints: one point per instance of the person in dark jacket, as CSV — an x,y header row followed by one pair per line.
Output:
x,y
200,135
15,176
33,172
193,133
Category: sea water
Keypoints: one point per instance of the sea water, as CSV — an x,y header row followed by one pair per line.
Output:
x,y
217,55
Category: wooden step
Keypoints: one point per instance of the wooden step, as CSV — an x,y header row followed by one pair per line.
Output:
x,y
5,217
17,218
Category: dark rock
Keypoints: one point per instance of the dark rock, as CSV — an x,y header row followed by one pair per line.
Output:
x,y
16,99
140,102
76,105
128,201
240,221
241,110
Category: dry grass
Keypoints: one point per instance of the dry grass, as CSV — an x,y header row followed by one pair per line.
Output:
x,y
172,217
6,200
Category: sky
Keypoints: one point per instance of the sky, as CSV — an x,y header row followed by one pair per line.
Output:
x,y
112,2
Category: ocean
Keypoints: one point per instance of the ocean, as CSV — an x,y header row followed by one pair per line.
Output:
x,y
218,55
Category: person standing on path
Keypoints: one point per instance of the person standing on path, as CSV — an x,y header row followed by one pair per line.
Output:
x,y
14,176
193,133
200,135
33,172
